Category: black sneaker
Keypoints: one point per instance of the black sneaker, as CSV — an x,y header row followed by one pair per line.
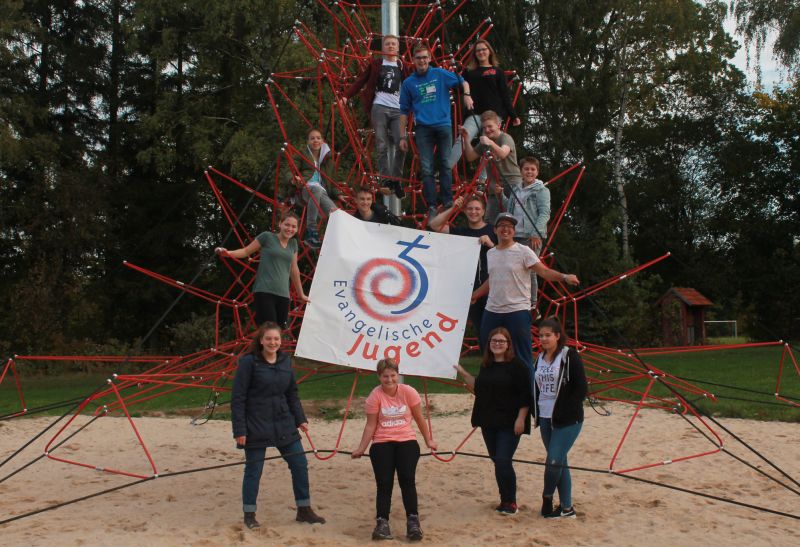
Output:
x,y
382,530
413,530
507,508
398,189
251,522
560,513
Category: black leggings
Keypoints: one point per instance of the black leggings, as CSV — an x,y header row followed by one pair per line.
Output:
x,y
271,307
387,458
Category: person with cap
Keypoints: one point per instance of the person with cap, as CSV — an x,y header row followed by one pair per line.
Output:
x,y
509,288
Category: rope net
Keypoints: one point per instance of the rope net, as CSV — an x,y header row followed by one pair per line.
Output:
x,y
310,97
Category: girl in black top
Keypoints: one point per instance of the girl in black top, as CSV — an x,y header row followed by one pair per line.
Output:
x,y
559,389
502,401
489,90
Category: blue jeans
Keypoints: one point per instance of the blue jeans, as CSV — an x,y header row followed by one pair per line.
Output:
x,y
501,444
322,199
518,324
295,457
427,138
558,441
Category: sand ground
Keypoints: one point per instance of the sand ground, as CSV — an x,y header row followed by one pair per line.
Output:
x,y
456,498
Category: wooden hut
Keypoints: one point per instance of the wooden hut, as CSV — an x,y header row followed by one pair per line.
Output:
x,y
683,313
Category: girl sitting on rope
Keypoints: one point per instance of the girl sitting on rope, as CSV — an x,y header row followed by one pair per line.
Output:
x,y
501,410
277,264
266,411
390,408
560,387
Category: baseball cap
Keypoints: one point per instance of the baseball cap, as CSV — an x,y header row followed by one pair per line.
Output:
x,y
508,217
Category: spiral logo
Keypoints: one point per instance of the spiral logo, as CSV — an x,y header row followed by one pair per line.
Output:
x,y
387,289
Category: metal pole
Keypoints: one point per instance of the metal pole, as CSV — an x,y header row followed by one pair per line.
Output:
x,y
390,24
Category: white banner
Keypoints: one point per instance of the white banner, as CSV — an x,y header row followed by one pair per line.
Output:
x,y
386,291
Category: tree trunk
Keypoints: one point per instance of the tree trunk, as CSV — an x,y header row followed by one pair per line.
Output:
x,y
617,168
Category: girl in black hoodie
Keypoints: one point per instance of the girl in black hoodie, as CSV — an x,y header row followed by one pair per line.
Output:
x,y
560,387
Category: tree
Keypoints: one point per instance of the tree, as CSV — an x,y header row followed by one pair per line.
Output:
x,y
756,18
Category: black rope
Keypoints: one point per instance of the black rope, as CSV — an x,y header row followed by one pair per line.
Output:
x,y
36,459
52,424
734,456
469,454
148,479
40,409
648,481
737,388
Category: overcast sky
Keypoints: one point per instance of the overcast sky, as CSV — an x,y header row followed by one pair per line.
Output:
x,y
771,73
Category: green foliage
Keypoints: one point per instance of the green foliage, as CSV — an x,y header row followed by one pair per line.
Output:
x,y
111,111
756,18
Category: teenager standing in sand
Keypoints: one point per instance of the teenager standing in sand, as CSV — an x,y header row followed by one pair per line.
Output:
x,y
266,411
501,410
560,388
390,408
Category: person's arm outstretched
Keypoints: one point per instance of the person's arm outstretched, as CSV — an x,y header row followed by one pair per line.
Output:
x,y
244,252
553,275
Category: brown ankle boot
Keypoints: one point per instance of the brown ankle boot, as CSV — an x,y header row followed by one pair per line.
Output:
x,y
307,514
251,522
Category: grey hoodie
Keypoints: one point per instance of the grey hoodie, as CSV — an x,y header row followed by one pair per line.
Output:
x,y
535,200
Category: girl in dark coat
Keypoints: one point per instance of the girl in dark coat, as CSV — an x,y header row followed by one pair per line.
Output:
x,y
501,410
266,411
560,388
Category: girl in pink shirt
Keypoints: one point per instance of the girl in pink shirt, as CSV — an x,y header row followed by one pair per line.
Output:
x,y
390,408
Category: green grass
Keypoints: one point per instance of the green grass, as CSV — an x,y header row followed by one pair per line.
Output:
x,y
754,369
44,390
727,340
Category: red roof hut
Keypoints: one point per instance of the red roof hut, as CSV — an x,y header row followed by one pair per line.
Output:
x,y
683,316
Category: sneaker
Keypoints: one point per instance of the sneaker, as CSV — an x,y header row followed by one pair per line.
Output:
x,y
398,190
382,530
547,505
560,513
313,241
251,522
507,508
449,204
413,530
431,212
